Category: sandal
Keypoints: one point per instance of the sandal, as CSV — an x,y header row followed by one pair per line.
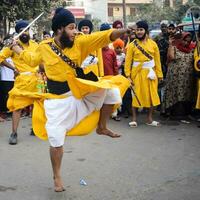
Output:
x,y
185,122
116,118
133,124
153,123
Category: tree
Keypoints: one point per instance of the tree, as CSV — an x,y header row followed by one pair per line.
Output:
x,y
153,13
12,10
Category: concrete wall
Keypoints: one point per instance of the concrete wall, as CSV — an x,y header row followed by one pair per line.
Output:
x,y
97,9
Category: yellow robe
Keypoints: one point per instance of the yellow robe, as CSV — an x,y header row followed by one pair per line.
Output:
x,y
196,59
23,82
145,89
56,69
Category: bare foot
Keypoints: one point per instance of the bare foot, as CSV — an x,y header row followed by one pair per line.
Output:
x,y
58,185
107,132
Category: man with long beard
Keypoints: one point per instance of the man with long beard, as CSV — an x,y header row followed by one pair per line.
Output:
x,y
143,67
62,56
26,79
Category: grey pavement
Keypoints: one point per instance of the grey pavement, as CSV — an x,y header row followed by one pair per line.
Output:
x,y
146,163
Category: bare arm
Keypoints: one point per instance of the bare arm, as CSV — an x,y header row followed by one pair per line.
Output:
x,y
10,66
171,50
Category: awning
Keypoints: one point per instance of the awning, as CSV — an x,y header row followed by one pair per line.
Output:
x,y
78,12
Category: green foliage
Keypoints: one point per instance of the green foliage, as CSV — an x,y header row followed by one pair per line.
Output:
x,y
22,9
152,13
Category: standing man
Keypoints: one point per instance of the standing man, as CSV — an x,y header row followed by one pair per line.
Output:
x,y
26,80
60,55
143,68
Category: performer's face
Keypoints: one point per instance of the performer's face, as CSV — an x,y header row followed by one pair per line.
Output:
x,y
25,37
67,35
140,33
85,30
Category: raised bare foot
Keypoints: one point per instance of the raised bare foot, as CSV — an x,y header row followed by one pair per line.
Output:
x,y
107,132
58,185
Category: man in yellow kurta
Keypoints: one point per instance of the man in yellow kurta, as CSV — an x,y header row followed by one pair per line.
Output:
x,y
197,68
143,67
26,79
80,99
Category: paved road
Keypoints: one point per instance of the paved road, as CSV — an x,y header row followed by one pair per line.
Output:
x,y
146,163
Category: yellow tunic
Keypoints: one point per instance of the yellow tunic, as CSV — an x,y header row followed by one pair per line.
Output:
x,y
56,69
196,59
145,89
26,81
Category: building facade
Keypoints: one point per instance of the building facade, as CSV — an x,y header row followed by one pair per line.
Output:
x,y
115,8
91,9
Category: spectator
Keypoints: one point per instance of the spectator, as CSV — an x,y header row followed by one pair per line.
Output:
x,y
179,80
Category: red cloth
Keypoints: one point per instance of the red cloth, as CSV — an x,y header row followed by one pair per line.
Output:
x,y
185,49
109,61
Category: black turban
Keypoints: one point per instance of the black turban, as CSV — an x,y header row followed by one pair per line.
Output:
x,y
142,24
62,18
20,24
85,22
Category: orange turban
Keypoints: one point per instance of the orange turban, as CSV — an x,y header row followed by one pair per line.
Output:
x,y
118,43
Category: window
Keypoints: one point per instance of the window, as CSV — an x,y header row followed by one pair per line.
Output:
x,y
110,11
132,11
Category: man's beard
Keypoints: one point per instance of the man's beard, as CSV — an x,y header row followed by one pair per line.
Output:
x,y
24,38
65,41
141,38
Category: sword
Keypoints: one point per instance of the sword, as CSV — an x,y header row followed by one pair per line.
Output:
x,y
135,95
9,41
24,30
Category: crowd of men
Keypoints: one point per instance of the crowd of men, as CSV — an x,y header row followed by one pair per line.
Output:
x,y
115,63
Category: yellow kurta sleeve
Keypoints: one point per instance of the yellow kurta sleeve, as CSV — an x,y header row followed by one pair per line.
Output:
x,y
158,68
5,53
92,42
196,59
128,60
100,62
33,59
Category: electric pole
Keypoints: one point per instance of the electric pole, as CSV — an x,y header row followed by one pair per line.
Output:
x,y
124,12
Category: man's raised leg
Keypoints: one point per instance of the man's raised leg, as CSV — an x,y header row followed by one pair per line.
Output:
x,y
105,114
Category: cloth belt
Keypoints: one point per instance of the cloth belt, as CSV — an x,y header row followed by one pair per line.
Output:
x,y
56,87
26,73
147,65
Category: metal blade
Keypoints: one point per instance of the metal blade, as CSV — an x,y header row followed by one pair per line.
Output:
x,y
24,30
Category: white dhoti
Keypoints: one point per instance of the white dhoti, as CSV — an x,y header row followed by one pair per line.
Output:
x,y
63,114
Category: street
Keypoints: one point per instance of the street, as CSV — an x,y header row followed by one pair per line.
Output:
x,y
146,163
